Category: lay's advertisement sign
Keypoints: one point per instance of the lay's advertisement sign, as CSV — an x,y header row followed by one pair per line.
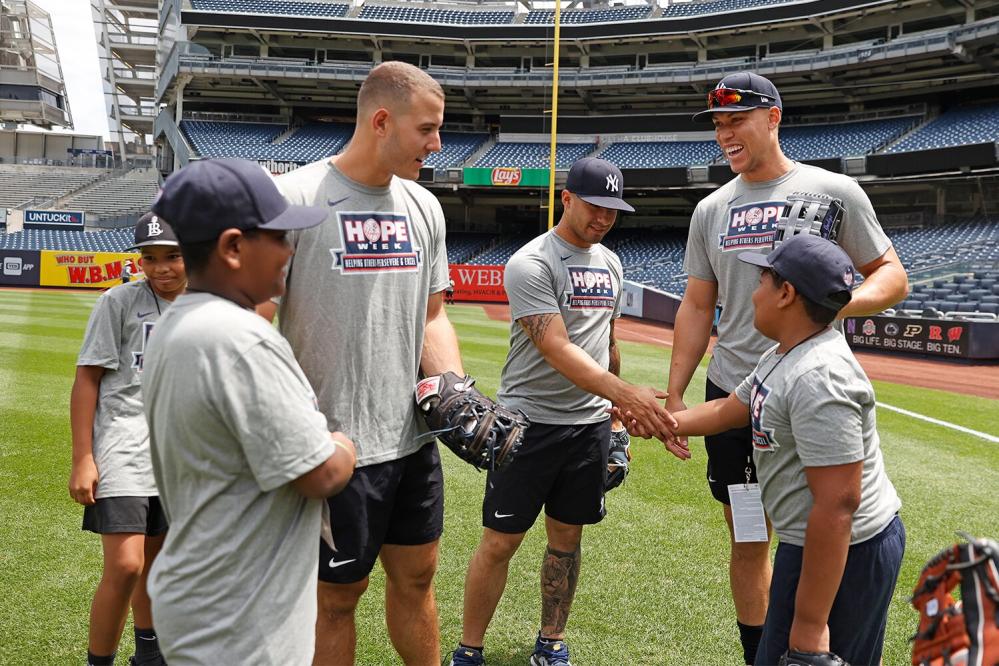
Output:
x,y
95,270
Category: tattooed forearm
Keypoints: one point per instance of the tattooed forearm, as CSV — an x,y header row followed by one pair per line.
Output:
x,y
536,326
559,573
614,364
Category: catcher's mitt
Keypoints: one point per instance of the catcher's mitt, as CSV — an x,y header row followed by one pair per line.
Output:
x,y
478,430
809,213
799,658
963,632
617,461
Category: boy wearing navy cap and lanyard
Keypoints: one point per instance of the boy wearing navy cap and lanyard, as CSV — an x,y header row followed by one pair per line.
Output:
x,y
112,474
821,473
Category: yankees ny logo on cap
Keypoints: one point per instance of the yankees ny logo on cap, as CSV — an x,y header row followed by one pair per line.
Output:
x,y
598,182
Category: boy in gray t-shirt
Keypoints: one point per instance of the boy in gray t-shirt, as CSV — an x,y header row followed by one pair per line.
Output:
x,y
112,475
241,453
821,472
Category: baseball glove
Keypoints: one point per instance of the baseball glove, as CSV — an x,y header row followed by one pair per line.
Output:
x,y
799,658
809,213
953,633
478,430
617,461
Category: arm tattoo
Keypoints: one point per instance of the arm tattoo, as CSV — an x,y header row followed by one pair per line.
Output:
x,y
614,364
536,326
559,573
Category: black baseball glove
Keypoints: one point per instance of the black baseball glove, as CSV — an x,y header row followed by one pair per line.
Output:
x,y
799,658
617,461
478,430
809,213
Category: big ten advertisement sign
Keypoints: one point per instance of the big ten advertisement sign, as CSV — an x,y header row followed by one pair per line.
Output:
x,y
936,337
94,270
20,268
478,283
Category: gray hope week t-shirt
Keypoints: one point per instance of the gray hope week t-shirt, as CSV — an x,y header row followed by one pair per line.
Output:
x,y
233,421
741,216
115,340
815,408
549,275
356,302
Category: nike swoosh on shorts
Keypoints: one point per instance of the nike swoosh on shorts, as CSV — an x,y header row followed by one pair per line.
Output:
x,y
334,564
502,515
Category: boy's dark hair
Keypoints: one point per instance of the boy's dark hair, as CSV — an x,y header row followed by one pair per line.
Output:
x,y
817,313
196,255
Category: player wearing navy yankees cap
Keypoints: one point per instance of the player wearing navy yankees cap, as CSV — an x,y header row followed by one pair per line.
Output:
x,y
562,371
112,473
811,411
242,456
746,110
372,278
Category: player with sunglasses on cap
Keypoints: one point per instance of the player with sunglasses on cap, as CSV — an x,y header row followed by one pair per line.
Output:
x,y
822,480
746,111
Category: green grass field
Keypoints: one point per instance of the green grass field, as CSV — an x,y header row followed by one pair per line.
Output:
x,y
653,589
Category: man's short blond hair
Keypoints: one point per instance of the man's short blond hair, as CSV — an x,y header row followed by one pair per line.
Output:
x,y
392,84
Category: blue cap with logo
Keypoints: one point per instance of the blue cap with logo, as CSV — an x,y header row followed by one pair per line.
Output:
x,y
598,182
742,91
818,268
151,230
209,196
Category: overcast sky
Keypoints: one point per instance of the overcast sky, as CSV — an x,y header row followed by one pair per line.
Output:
x,y
76,41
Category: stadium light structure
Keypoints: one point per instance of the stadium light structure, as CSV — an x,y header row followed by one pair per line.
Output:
x,y
32,90
126,32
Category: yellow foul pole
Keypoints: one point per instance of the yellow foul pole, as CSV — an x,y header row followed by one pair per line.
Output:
x,y
551,156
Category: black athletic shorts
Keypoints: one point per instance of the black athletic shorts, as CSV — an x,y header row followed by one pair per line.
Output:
x,y
397,502
729,453
125,515
560,467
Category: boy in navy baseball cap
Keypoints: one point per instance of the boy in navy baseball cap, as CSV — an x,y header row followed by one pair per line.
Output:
x,y
821,473
241,454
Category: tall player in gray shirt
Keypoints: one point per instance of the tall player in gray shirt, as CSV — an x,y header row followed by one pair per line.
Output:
x,y
564,289
746,111
822,475
112,473
364,313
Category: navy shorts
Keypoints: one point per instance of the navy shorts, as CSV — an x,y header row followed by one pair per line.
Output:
x,y
860,611
730,453
125,515
397,502
560,467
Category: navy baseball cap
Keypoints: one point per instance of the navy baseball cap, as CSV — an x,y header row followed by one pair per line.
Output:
x,y
598,182
818,268
209,196
151,230
742,91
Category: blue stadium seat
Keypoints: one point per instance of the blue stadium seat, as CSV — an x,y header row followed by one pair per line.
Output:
x,y
426,14
956,127
280,7
629,13
661,154
533,155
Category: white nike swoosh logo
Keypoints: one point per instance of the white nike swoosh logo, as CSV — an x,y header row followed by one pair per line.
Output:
x,y
148,638
502,515
334,564
710,480
333,203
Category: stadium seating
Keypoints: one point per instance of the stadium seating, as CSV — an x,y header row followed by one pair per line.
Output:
x,y
974,240
325,9
132,192
968,125
463,245
19,185
219,139
629,13
684,9
117,240
427,14
661,154
500,252
809,142
533,155
456,147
